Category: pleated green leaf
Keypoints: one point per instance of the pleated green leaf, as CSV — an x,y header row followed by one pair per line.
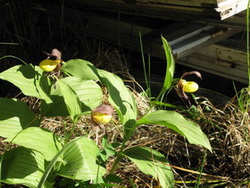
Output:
x,y
122,99
80,68
29,80
80,160
170,65
15,116
178,123
89,93
40,140
23,166
71,100
152,163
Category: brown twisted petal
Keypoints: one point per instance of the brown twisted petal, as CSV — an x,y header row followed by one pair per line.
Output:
x,y
180,91
55,54
191,72
105,109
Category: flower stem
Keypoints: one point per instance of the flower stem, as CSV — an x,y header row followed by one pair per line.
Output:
x,y
118,159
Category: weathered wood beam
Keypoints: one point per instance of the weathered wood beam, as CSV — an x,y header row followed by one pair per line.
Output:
x,y
228,8
183,41
219,60
202,11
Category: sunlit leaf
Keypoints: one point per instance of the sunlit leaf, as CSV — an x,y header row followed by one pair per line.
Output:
x,y
178,123
170,65
152,163
71,100
122,100
23,166
80,68
40,140
15,116
80,160
89,93
29,80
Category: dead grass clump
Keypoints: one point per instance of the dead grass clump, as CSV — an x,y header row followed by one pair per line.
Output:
x,y
229,133
108,58
237,140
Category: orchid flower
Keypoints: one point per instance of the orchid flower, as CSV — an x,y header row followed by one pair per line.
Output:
x,y
53,62
184,86
102,114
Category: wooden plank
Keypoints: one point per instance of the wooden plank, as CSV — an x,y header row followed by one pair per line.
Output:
x,y
187,44
216,66
202,11
153,10
228,8
221,67
226,54
185,40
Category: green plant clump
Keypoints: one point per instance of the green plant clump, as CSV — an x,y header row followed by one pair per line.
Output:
x,y
41,157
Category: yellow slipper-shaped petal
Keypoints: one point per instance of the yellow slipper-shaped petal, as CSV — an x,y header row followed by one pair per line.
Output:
x,y
189,86
101,118
48,65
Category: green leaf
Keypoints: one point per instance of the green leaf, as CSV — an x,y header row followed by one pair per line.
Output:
x,y
152,163
178,123
113,178
40,140
29,80
23,166
108,151
80,161
170,68
122,100
57,107
80,68
15,116
89,93
71,100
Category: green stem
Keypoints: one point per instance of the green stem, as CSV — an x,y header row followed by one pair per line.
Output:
x,y
67,138
201,170
118,159
114,166
144,63
14,57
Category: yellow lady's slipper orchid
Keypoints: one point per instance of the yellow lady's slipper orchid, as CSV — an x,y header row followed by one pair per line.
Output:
x,y
48,65
102,114
189,86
